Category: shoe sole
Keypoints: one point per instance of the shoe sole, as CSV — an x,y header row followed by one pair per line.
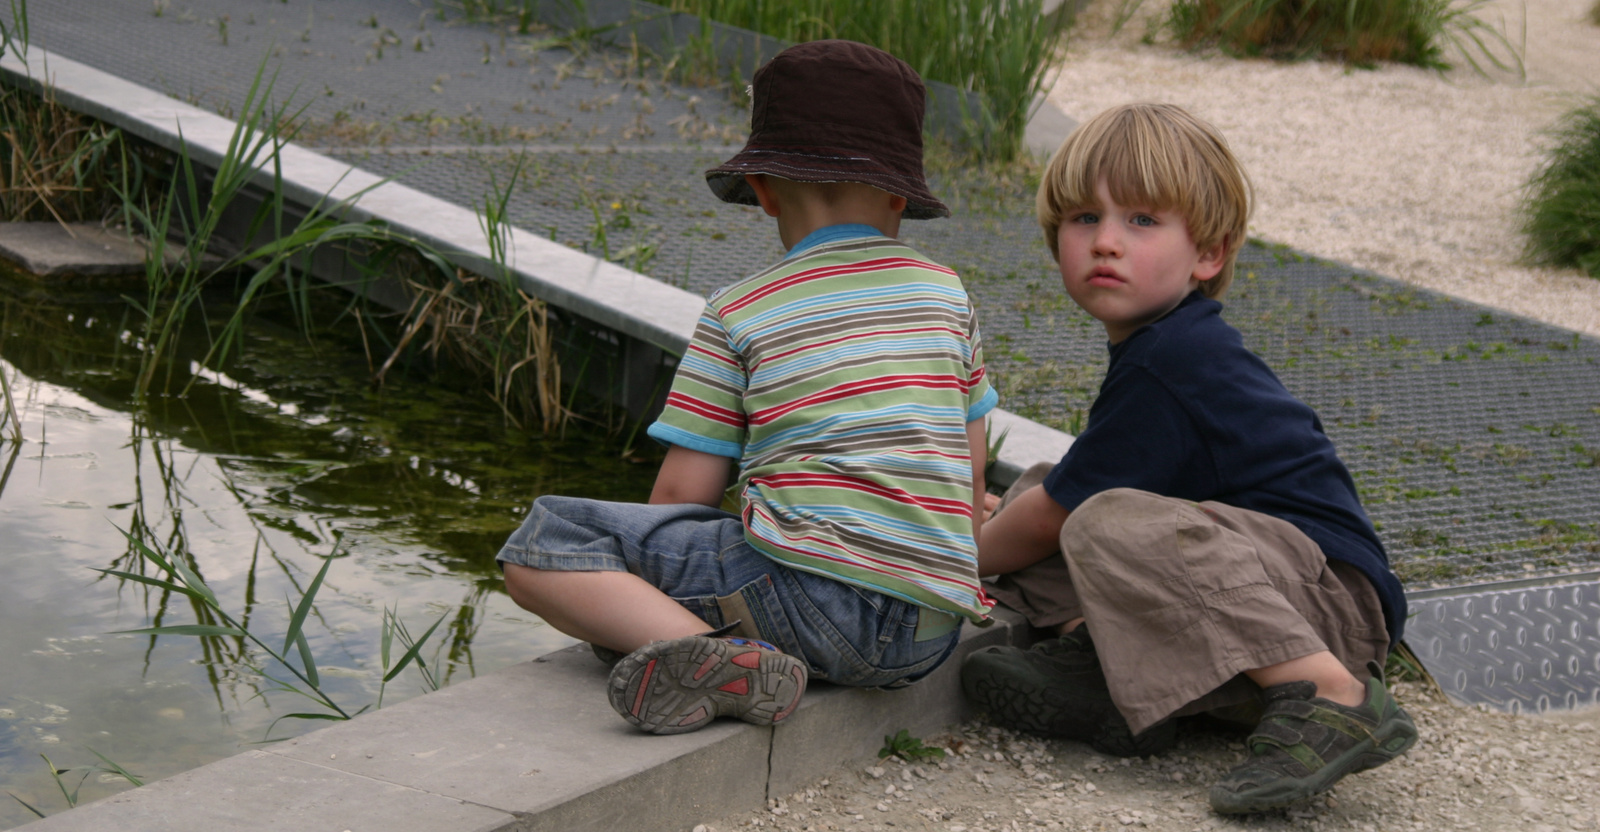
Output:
x,y
1368,754
672,687
1016,703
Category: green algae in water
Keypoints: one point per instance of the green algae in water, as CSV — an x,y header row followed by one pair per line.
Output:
x,y
255,473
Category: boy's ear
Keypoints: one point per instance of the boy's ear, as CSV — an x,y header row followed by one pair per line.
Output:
x,y
1211,260
764,193
898,203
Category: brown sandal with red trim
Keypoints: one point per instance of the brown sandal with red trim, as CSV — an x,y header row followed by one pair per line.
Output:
x,y
677,686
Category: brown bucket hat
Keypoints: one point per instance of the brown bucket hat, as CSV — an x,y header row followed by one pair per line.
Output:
x,y
835,111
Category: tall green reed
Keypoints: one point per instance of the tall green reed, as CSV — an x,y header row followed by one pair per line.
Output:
x,y
303,679
1425,33
1003,49
485,325
1561,211
14,32
106,766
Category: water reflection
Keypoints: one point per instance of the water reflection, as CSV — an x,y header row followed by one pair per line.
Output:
x,y
252,479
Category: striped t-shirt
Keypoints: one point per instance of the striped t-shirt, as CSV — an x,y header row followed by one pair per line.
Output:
x,y
842,379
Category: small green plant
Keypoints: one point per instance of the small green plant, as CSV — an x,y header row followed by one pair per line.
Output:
x,y
993,443
1562,208
1358,32
1402,665
181,578
909,748
1594,13
105,766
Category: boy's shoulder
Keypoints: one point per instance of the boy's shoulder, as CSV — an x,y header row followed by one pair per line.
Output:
x,y
1192,338
1197,356
833,259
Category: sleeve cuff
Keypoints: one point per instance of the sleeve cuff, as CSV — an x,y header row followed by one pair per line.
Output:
x,y
990,400
669,435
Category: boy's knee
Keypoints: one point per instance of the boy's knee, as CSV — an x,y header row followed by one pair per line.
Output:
x,y
1113,520
523,584
1109,511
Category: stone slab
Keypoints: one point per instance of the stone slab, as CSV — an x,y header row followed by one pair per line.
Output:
x,y
257,790
50,249
540,739
533,747
835,724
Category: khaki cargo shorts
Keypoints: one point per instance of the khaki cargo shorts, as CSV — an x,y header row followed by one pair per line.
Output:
x,y
1182,597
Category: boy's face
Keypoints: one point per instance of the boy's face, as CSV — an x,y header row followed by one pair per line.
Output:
x,y
1127,265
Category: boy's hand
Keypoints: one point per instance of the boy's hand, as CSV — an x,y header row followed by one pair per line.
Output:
x,y
990,503
1028,531
688,476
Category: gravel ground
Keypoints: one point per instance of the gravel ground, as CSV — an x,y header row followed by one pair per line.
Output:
x,y
1411,173
1469,770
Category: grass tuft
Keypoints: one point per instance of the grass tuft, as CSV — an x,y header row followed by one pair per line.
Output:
x,y
1358,32
1562,208
1000,48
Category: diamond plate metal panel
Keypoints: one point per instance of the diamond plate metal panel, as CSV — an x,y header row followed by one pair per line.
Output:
x,y
1518,649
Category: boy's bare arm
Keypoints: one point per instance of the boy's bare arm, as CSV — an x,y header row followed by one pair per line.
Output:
x,y
689,476
978,447
1026,532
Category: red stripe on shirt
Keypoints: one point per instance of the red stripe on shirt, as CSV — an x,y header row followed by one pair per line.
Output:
x,y
825,272
845,391
706,409
820,480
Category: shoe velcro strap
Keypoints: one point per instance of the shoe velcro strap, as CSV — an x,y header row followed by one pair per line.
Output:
x,y
1276,732
1273,733
1343,723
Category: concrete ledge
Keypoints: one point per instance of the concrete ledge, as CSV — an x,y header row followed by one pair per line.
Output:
x,y
1027,443
603,292
533,747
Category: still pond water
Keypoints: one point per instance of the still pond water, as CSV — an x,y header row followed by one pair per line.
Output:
x,y
256,474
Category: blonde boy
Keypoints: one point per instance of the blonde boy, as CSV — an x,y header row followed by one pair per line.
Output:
x,y
1211,541
844,387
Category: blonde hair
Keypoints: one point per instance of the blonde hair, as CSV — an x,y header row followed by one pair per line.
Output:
x,y
1154,156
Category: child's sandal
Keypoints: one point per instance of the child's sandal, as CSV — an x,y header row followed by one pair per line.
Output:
x,y
672,687
1305,744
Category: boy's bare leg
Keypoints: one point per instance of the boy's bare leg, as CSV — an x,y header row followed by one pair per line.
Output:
x,y
618,610
1333,681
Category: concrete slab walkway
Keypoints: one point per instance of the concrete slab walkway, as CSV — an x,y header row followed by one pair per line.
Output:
x,y
531,747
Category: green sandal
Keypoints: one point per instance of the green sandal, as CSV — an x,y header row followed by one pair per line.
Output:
x,y
1305,744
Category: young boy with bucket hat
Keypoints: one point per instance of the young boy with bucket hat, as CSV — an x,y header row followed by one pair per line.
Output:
x,y
843,391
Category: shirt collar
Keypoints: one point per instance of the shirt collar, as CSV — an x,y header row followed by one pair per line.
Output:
x,y
833,234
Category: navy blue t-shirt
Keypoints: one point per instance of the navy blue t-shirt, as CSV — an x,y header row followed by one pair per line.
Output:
x,y
1187,411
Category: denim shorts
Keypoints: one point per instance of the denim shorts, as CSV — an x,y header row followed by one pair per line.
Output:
x,y
698,556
